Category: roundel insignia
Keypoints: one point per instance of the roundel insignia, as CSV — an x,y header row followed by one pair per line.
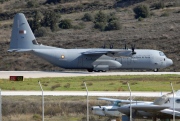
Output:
x,y
62,56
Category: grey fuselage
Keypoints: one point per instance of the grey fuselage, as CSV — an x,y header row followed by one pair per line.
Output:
x,y
74,59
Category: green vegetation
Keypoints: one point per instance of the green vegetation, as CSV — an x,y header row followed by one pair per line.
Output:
x,y
141,11
2,1
87,17
158,5
108,83
32,3
65,24
106,22
50,19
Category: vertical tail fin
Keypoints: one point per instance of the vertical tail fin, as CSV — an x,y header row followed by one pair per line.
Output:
x,y
22,37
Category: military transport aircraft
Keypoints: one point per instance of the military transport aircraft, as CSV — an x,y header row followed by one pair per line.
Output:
x,y
92,59
162,108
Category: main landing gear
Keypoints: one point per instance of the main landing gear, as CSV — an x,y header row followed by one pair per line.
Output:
x,y
156,70
91,70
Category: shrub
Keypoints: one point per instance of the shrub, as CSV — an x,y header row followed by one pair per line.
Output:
x,y
65,24
37,117
112,17
165,14
114,25
87,17
51,19
159,5
141,11
41,32
100,25
2,1
79,26
100,17
31,4
140,19
89,84
67,85
55,86
35,24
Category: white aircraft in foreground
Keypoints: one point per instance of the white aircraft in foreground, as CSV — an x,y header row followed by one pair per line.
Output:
x,y
92,59
112,109
161,108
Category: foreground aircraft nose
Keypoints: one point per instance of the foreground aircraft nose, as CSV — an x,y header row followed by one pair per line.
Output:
x,y
169,62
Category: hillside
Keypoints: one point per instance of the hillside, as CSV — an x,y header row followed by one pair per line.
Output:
x,y
160,31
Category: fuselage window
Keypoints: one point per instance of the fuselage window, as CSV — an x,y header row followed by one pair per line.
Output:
x,y
178,101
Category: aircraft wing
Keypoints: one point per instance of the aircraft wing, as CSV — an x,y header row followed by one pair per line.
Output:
x,y
160,110
120,101
115,52
170,112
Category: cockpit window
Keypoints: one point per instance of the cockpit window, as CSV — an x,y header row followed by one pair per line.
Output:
x,y
178,101
117,103
161,54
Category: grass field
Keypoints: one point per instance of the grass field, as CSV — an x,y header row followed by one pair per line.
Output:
x,y
97,83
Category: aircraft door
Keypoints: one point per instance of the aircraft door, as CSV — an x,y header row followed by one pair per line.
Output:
x,y
80,61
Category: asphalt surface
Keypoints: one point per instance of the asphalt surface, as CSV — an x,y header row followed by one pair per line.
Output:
x,y
82,93
40,74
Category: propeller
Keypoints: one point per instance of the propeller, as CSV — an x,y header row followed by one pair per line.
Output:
x,y
133,48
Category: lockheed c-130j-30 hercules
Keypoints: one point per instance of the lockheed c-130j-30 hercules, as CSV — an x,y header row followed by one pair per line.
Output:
x,y
92,59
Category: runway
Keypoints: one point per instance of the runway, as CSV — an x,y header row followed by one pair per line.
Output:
x,y
82,93
41,74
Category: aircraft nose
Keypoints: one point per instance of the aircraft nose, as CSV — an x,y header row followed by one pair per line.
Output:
x,y
169,62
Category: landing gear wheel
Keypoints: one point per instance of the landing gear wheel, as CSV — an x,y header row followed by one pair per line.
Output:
x,y
96,70
90,70
156,70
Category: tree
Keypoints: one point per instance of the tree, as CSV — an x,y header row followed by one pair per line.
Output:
x,y
141,11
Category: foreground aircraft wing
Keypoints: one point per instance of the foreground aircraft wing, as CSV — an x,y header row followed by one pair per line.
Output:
x,y
115,52
170,112
160,110
118,100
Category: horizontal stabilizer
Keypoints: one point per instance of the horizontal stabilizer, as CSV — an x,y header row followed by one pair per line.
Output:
x,y
19,50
